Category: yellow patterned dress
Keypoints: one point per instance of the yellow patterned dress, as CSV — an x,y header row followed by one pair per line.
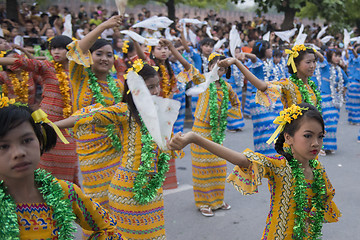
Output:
x,y
36,221
135,221
208,170
98,159
288,92
281,218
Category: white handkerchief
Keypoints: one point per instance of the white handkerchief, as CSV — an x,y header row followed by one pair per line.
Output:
x,y
158,114
209,78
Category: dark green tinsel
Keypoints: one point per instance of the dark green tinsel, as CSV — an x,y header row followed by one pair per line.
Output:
x,y
54,198
145,185
318,201
305,93
96,90
218,123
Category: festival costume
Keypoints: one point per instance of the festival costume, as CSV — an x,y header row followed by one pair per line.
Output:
x,y
62,160
98,158
331,79
135,220
262,117
179,96
281,218
37,220
353,91
209,171
7,81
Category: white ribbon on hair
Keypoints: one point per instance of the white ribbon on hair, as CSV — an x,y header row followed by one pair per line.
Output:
x,y
346,38
158,114
322,32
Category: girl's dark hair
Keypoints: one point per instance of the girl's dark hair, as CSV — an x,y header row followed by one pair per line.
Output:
x,y
99,43
167,64
259,48
219,58
207,41
331,52
301,56
291,128
60,41
146,72
13,116
277,53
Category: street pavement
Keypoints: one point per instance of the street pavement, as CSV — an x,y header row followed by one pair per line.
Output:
x,y
246,219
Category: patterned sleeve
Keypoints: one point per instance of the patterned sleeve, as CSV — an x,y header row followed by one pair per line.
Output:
x,y
31,65
191,75
78,61
332,213
247,180
268,97
235,110
90,215
98,114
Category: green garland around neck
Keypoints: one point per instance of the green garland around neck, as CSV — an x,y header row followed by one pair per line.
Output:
x,y
54,198
145,186
115,91
305,93
318,201
218,124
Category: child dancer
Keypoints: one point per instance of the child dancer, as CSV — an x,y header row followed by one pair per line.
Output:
x,y
301,193
209,171
62,160
33,203
333,86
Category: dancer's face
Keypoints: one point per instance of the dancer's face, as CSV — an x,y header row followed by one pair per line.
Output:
x,y
161,52
307,65
103,59
59,54
153,84
19,153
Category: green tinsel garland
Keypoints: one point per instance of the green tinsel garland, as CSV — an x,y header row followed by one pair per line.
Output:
x,y
305,93
54,198
145,187
318,201
96,90
218,124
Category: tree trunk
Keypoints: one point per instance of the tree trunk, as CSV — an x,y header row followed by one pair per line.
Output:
x,y
12,10
171,11
288,22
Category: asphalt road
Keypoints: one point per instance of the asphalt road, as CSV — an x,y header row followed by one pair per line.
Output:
x,y
246,219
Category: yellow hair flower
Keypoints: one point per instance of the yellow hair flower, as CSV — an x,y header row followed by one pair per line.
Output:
x,y
5,101
156,68
125,47
212,55
286,116
138,65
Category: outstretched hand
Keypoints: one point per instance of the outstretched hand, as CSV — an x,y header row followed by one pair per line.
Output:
x,y
226,62
180,140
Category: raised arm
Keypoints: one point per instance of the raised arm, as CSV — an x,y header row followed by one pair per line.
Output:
x,y
319,56
179,141
182,39
261,85
86,43
176,53
24,50
139,51
66,123
7,61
